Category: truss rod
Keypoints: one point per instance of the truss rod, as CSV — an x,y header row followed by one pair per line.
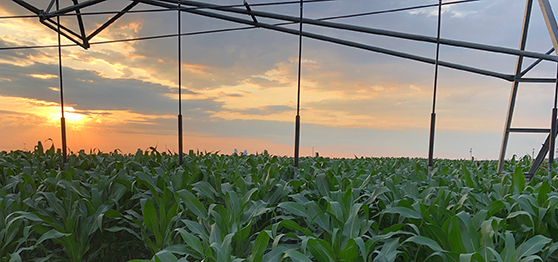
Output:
x,y
50,5
530,130
81,27
57,29
112,20
531,66
537,80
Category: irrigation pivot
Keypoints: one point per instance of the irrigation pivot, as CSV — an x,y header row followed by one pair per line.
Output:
x,y
83,39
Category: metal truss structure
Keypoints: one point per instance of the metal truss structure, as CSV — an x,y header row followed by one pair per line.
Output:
x,y
248,16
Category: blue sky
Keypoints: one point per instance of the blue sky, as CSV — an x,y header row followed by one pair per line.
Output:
x,y
240,87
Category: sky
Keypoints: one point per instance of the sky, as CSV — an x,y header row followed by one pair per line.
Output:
x,y
239,88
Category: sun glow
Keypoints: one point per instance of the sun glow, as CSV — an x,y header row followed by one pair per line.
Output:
x,y
77,120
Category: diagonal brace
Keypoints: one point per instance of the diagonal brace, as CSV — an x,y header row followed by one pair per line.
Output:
x,y
81,27
112,20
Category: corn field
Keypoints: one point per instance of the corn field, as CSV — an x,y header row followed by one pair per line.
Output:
x,y
144,207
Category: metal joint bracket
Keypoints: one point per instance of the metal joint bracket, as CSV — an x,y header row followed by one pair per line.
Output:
x,y
250,12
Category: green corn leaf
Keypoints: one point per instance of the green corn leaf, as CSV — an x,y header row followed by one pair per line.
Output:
x,y
518,180
404,212
275,255
56,204
424,241
117,229
362,247
533,245
454,235
509,253
320,250
296,256
51,234
193,204
195,228
294,208
151,220
165,256
191,240
388,252
467,176
147,180
495,207
352,226
260,245
543,191
246,198
350,252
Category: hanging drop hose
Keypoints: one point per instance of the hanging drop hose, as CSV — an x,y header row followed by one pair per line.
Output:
x,y
62,119
433,114
180,142
297,120
553,132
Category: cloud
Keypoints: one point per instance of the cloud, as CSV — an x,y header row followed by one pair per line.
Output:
x,y
87,90
265,110
264,82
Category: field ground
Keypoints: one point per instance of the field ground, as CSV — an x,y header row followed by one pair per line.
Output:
x,y
144,207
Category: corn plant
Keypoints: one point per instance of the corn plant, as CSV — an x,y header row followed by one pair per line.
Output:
x,y
145,207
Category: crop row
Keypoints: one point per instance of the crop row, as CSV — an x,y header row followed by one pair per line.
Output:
x,y
144,207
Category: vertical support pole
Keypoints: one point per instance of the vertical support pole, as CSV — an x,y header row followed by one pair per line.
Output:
x,y
297,120
62,119
515,86
180,142
433,114
553,132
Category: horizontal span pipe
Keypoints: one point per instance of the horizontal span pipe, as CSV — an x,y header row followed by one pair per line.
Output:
x,y
375,31
537,80
530,130
336,40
